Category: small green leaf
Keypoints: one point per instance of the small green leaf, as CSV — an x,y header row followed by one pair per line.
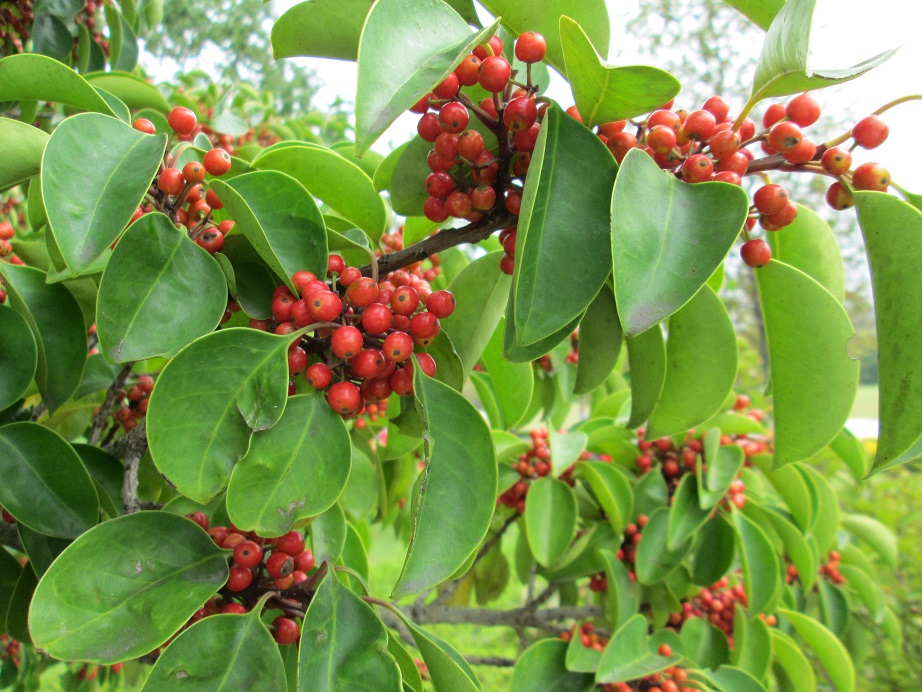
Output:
x,y
668,238
852,452
516,353
550,519
792,662
604,93
795,546
813,380
448,669
343,643
631,654
686,515
221,652
542,666
759,12
761,569
737,680
105,606
458,491
45,484
701,365
400,174
408,669
623,591
868,590
809,244
828,649
280,218
704,643
514,382
224,386
875,534
752,644
146,285
134,91
328,534
23,145
320,28
599,342
32,77
95,172
654,560
334,179
713,551
404,52
296,469
722,469
646,354
566,448
611,490
565,213
19,356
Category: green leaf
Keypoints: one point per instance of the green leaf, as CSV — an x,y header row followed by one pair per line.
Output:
x,y
224,386
56,321
32,77
752,644
646,354
482,291
580,658
134,91
654,559
599,342
611,490
686,515
516,353
45,484
734,679
868,590
668,238
514,382
343,643
296,469
761,569
704,644
328,534
795,546
42,550
408,670
339,182
550,519
20,356
604,93
95,173
875,534
221,652
23,145
400,174
623,591
147,283
542,666
760,12
543,16
813,380
783,66
20,602
449,368
722,469
51,37
789,656
458,491
651,494
99,605
280,218
827,647
795,492
320,28
713,552
565,213
404,52
852,453
809,244
701,365
631,654
891,237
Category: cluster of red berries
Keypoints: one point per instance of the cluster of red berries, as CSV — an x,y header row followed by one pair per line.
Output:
x,y
16,20
88,673
260,565
131,405
426,270
6,251
627,553
180,193
717,604
87,17
10,649
364,332
829,570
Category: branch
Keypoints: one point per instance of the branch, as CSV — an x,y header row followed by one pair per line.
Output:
x,y
516,618
99,420
444,239
9,535
497,661
135,447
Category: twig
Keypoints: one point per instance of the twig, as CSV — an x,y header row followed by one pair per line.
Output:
x,y
135,447
497,661
99,420
544,596
37,411
517,618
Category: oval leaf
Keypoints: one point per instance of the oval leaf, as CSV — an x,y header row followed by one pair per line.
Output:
x,y
809,244
513,382
550,519
106,606
134,91
31,77
654,560
18,356
686,515
646,354
789,657
320,28
599,342
827,647
611,490
23,146
147,284
761,569
630,654
543,667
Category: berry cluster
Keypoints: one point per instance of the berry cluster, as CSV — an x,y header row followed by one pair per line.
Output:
x,y
829,569
87,17
627,553
16,20
10,649
425,270
131,405
6,250
364,332
718,604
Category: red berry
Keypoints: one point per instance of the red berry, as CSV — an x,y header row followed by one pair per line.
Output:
x,y
437,162
803,152
526,140
785,136
377,388
234,609
212,241
193,172
291,543
439,184
661,139
483,198
434,210
530,47
171,181
458,204
513,201
427,363
468,72
446,145
718,107
181,120
770,199
773,114
496,46
441,304
454,117
367,363
280,564
448,87
699,125
697,168
783,218
305,561
756,253
421,106
429,127
836,161
324,306
397,347
405,300
335,265
217,161
470,144
665,650
346,342
344,398
297,360
839,197
803,110
377,318
144,125
239,578
871,176
520,114
494,73
725,144
319,376
248,554
286,630
870,132
424,325
362,292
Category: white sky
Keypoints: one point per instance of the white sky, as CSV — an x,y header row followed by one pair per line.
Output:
x,y
845,32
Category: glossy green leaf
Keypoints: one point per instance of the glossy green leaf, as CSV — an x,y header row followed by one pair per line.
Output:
x,y
134,91
146,287
95,172
730,678
686,515
514,352
17,614
106,606
761,569
449,368
631,654
713,551
795,546
343,643
481,290
221,652
813,380
704,643
45,484
604,93
328,534
543,16
875,534
752,644
654,559
550,519
223,386
400,174
294,470
412,679
827,513
760,12
320,28
10,572
23,145
448,670
789,656
405,51
623,592
828,649
56,321
668,238
646,354
580,658
336,180
41,550
280,218
458,492
564,214
868,590
793,489
852,453
566,448
809,244
18,356
701,365
611,489
722,469
543,667
51,37
599,342
650,494
514,382
783,66
32,77
891,238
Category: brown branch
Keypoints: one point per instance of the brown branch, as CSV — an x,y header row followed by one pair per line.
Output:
x,y
99,420
135,447
497,661
447,238
517,618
